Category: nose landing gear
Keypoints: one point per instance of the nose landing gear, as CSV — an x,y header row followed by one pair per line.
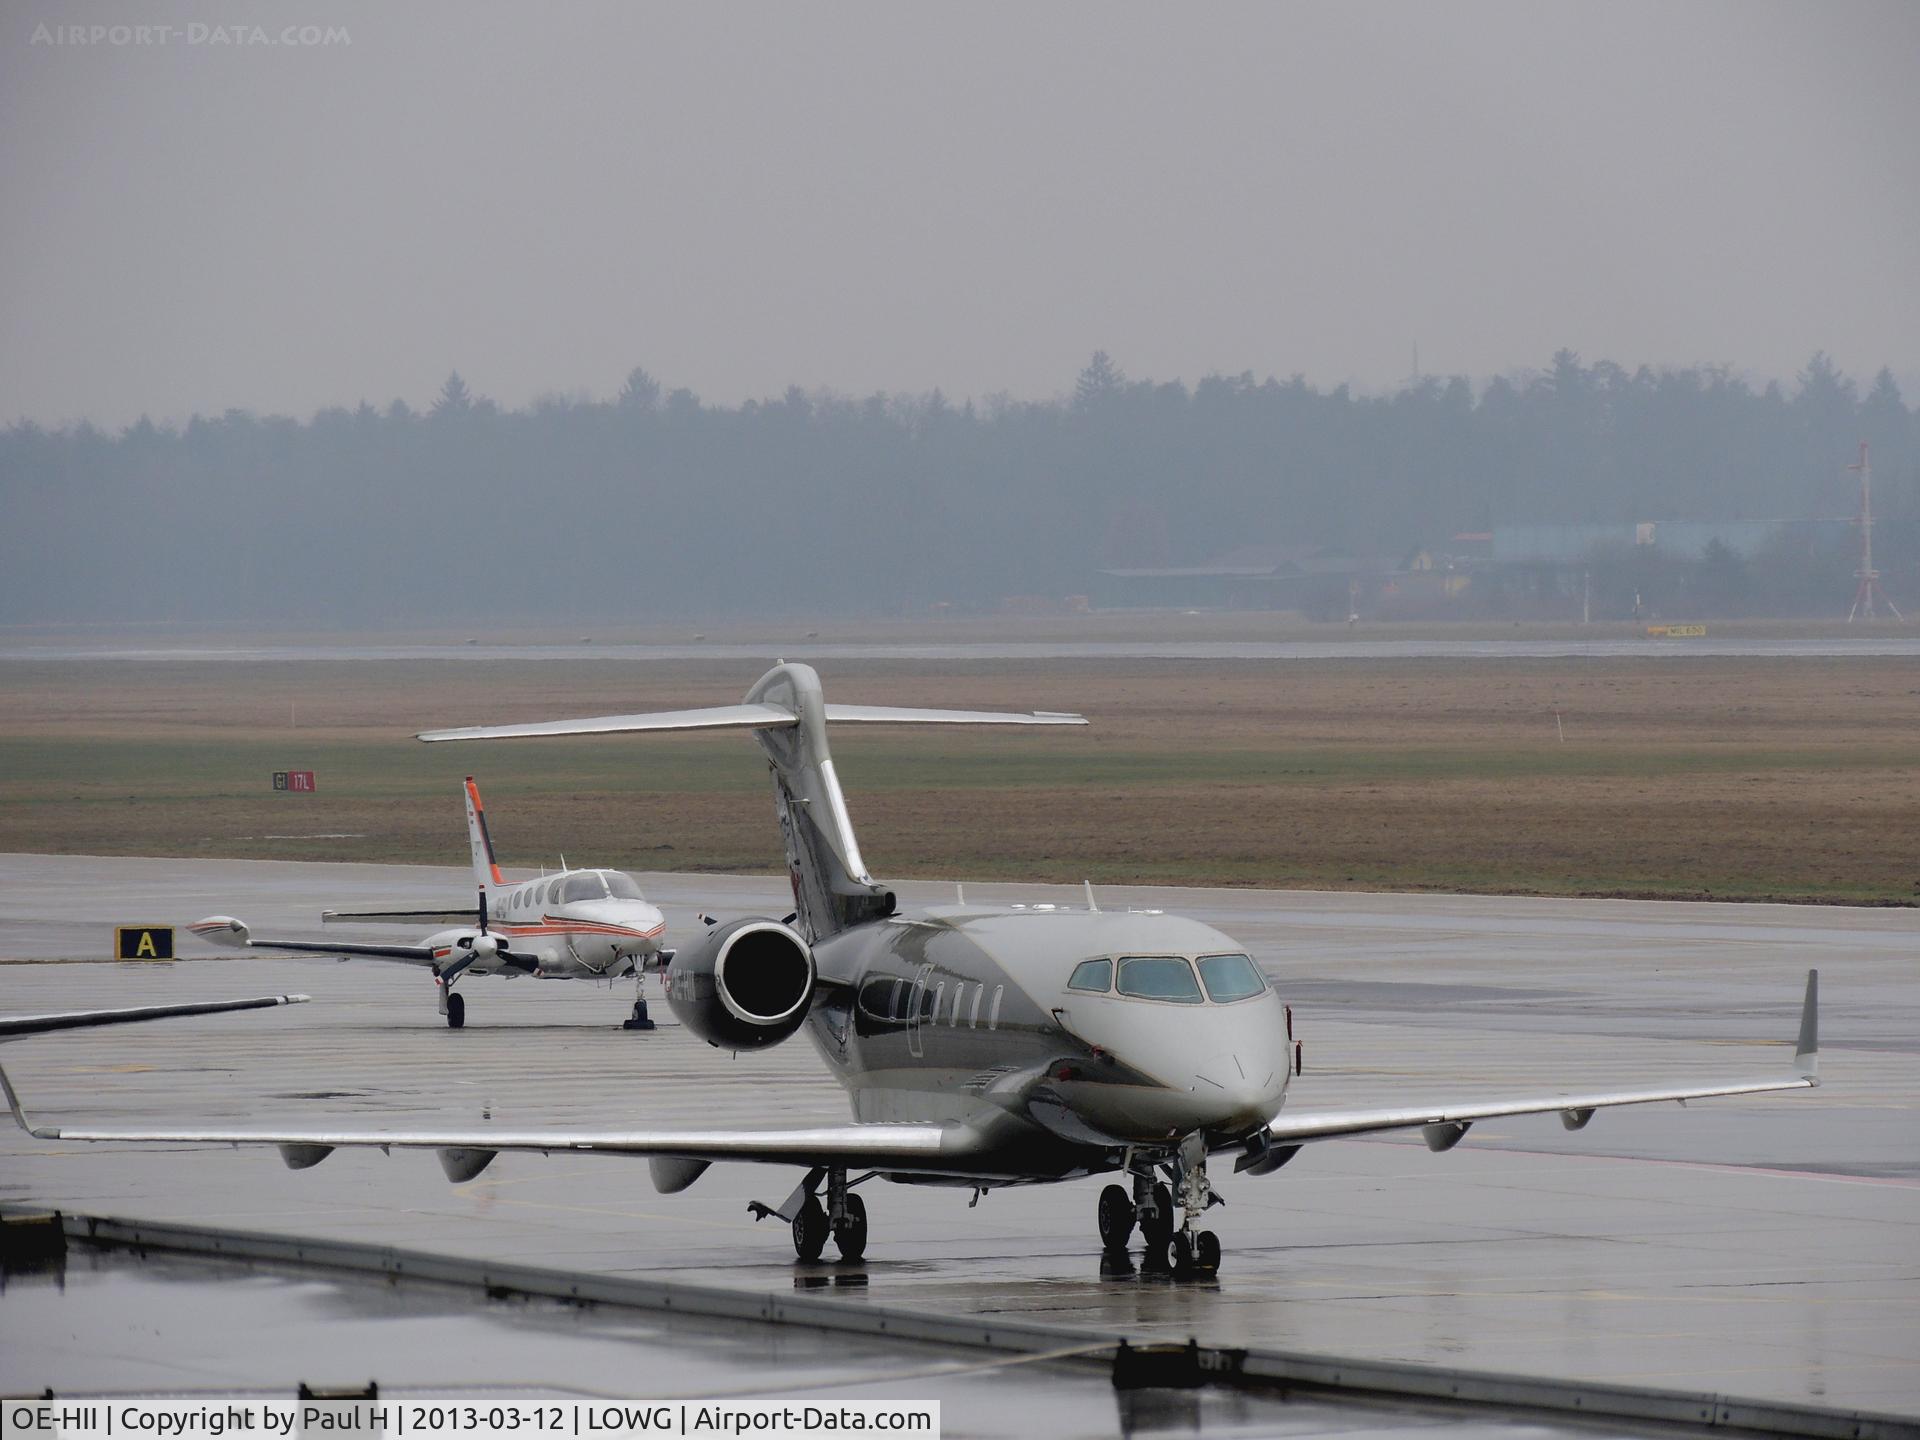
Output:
x,y
1180,1247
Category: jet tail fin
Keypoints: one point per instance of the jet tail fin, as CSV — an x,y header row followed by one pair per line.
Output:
x,y
789,718
486,870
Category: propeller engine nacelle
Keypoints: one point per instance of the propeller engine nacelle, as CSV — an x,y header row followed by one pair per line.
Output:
x,y
744,985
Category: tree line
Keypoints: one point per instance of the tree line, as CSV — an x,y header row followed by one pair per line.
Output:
x,y
655,504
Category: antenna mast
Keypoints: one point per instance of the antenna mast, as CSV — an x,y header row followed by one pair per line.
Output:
x,y
1869,588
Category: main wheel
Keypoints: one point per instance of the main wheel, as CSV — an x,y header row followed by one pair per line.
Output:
x,y
456,1011
1116,1217
810,1230
1158,1230
851,1233
1206,1252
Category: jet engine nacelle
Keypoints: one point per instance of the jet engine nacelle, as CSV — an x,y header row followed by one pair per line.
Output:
x,y
743,985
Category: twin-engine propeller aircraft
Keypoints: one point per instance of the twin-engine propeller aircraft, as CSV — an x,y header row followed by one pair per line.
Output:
x,y
575,925
980,1046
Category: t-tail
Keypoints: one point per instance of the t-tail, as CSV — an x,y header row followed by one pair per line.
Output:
x,y
789,717
486,870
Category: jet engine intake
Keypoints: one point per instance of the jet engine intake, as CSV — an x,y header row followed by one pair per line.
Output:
x,y
744,985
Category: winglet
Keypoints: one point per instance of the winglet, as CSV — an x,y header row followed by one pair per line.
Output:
x,y
19,1115
1806,1053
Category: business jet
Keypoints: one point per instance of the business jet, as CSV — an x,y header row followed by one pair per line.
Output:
x,y
980,1046
574,925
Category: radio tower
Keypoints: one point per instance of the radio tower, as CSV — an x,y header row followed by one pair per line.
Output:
x,y
1868,577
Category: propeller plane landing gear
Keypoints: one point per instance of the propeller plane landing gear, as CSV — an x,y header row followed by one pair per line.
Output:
x,y
456,1011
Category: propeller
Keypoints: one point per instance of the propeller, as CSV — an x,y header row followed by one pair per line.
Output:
x,y
484,945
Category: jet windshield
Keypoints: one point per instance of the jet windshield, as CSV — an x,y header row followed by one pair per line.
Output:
x,y
1159,977
1230,977
620,885
1091,975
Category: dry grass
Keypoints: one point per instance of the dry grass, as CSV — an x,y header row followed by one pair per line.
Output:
x,y
1737,778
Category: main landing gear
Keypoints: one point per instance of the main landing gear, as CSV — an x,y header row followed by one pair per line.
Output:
x,y
843,1216
1182,1248
452,1005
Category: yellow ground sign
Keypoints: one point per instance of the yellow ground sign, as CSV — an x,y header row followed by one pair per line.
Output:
x,y
143,942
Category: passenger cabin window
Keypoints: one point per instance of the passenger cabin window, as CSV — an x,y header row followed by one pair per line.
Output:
x,y
586,886
933,1010
993,1016
973,1017
1230,977
1094,975
959,994
898,1009
1159,977
620,885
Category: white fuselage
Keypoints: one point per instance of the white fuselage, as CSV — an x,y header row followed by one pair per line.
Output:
x,y
573,926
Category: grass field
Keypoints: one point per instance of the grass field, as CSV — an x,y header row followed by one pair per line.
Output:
x,y
1793,779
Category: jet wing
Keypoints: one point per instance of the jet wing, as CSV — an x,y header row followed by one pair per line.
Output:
x,y
928,1148
13,1027
1445,1122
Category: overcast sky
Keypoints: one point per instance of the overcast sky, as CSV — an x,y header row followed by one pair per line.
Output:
x,y
969,196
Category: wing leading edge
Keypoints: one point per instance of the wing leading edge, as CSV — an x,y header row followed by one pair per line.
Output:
x,y
14,1027
931,1149
1446,1122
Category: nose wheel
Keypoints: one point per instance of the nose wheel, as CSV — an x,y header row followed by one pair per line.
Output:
x,y
456,1011
1179,1245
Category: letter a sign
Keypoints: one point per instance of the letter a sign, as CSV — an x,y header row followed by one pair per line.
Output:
x,y
143,942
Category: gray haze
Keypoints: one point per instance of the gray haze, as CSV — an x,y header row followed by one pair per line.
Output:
x,y
886,197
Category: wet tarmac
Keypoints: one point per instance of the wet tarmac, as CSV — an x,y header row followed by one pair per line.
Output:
x,y
260,1331
1765,1247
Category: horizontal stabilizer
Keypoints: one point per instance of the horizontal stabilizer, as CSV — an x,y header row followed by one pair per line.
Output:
x,y
749,717
897,715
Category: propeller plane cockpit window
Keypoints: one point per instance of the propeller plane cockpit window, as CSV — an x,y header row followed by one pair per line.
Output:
x,y
621,886
587,885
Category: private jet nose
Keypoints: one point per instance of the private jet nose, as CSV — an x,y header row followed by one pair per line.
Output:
x,y
1175,1068
1240,1089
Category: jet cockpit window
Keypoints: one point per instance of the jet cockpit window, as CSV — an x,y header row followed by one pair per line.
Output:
x,y
1092,975
620,885
1159,977
585,886
1230,977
